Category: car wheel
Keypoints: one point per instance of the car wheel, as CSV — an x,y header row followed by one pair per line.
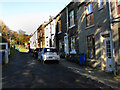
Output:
x,y
42,61
36,56
33,55
57,62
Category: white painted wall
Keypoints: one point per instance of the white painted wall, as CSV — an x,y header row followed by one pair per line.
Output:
x,y
36,34
33,40
53,24
48,32
47,35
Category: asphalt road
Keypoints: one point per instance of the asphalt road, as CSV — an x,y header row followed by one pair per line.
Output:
x,y
24,71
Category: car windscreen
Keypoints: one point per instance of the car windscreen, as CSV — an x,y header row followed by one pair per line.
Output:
x,y
50,50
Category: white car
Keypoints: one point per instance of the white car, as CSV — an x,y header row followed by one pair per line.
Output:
x,y
48,54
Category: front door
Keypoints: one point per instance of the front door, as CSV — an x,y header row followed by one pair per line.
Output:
x,y
66,44
108,54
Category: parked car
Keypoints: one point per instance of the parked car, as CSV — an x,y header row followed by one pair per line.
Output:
x,y
35,52
48,54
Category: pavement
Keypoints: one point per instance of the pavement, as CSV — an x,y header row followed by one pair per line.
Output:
x,y
106,78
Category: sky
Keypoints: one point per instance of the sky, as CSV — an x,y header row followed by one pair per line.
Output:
x,y
28,15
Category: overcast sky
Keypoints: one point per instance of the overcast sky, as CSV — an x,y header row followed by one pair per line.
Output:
x,y
28,15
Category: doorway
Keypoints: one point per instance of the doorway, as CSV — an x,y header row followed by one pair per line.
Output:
x,y
66,48
108,54
107,60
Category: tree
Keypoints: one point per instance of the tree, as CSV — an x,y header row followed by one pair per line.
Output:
x,y
8,35
21,34
23,38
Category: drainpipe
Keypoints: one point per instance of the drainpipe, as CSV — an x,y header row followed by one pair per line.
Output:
x,y
67,17
113,60
67,30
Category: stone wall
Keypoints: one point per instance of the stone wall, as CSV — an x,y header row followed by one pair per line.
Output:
x,y
101,24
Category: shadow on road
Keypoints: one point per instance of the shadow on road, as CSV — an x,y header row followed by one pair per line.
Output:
x,y
51,62
25,71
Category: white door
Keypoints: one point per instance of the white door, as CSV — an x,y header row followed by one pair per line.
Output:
x,y
108,54
66,44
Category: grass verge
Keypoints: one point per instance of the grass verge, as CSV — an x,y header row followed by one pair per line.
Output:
x,y
21,48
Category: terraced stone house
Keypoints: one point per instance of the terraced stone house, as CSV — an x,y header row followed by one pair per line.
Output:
x,y
67,30
99,33
115,26
41,36
92,28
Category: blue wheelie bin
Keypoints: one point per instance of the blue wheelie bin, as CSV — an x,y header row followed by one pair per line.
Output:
x,y
82,58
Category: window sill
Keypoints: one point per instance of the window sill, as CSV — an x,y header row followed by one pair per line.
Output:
x,y
72,26
115,19
117,16
91,59
52,34
90,26
73,51
59,32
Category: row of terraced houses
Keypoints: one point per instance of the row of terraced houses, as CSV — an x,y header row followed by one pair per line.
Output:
x,y
92,28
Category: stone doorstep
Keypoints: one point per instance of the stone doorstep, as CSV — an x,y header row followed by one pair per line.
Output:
x,y
77,69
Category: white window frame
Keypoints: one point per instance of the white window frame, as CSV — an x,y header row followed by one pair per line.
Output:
x,y
89,13
73,51
99,4
60,45
59,27
72,43
72,15
118,2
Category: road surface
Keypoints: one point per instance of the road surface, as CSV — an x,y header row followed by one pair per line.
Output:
x,y
24,71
